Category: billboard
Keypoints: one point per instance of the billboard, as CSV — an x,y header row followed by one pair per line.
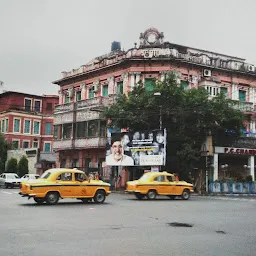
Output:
x,y
144,148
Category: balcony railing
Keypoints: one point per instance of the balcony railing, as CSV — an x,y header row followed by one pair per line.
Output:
x,y
244,106
79,143
64,108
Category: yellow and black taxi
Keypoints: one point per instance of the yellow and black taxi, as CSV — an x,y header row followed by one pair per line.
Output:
x,y
152,184
64,183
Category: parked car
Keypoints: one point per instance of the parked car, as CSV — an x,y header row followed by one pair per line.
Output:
x,y
9,180
152,184
64,183
30,177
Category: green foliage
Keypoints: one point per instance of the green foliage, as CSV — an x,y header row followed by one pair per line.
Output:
x,y
3,152
188,116
23,166
11,165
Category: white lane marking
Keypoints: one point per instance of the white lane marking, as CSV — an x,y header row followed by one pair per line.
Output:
x,y
91,208
6,192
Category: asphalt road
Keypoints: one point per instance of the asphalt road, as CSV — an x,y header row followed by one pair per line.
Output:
x,y
126,226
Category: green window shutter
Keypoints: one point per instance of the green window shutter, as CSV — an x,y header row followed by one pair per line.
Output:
x,y
67,99
149,84
16,125
7,125
224,90
105,91
184,85
48,128
242,96
120,89
27,126
47,147
36,127
78,96
91,94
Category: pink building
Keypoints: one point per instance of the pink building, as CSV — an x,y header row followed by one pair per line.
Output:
x,y
26,120
80,131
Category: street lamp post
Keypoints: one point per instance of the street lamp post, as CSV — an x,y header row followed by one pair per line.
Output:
x,y
158,94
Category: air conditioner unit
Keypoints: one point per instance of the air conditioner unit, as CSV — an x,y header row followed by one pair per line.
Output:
x,y
251,68
207,72
70,93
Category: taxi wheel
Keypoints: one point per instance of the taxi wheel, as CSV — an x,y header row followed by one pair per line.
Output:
x,y
185,194
52,198
99,197
39,200
151,195
139,196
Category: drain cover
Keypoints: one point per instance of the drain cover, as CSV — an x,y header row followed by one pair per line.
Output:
x,y
178,224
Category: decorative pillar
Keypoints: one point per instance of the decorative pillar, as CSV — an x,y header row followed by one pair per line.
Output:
x,y
251,164
111,85
83,91
137,79
131,80
252,126
235,94
61,94
215,166
251,95
125,82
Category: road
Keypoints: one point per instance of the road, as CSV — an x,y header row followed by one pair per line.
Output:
x,y
126,226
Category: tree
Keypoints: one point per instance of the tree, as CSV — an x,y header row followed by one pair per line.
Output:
x,y
187,115
23,166
3,152
11,165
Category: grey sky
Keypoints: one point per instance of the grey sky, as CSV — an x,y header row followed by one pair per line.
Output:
x,y
39,39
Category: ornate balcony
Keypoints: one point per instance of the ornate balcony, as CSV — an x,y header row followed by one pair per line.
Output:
x,y
84,143
244,106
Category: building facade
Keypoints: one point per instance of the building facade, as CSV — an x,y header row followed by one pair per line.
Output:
x,y
80,135
26,121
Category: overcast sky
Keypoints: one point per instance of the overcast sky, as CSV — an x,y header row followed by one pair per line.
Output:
x,y
39,39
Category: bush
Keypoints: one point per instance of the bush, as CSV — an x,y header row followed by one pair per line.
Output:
x,y
248,178
23,166
11,165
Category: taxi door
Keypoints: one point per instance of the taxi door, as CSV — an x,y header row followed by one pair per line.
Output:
x,y
171,187
65,184
160,184
83,188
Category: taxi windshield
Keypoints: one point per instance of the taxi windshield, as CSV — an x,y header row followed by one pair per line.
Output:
x,y
144,177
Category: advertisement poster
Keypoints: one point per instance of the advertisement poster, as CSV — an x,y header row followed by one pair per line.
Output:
x,y
144,148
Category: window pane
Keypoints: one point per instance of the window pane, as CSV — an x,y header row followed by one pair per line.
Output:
x,y
15,144
7,125
37,106
36,127
2,126
48,128
93,128
28,105
91,94
25,144
35,144
16,125
78,96
67,131
47,147
67,99
120,87
27,126
105,90
81,129
55,131
242,95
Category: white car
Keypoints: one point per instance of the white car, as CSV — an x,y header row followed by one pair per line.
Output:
x,y
30,177
9,180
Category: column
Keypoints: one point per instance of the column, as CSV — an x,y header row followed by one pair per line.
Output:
x,y
131,80
83,91
252,126
235,95
251,164
137,77
215,167
61,101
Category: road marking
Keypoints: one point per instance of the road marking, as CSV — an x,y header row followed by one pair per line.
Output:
x,y
6,192
91,208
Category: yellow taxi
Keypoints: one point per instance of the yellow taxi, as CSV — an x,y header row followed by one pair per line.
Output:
x,y
152,184
64,183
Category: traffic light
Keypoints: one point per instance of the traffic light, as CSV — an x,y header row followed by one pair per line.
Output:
x,y
208,161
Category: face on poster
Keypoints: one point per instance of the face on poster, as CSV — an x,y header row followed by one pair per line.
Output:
x,y
140,148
